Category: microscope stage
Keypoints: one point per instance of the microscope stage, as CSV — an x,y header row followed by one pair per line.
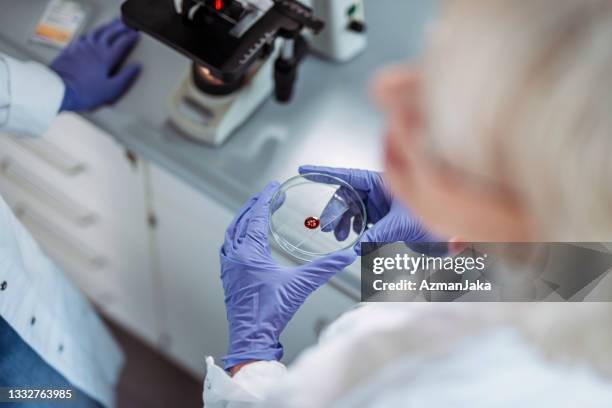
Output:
x,y
209,41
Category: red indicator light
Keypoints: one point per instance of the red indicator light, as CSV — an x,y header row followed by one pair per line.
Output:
x,y
218,5
312,223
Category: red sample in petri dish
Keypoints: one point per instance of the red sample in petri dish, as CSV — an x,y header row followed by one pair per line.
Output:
x,y
312,223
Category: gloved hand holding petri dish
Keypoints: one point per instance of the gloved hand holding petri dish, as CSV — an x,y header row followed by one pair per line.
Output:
x,y
306,211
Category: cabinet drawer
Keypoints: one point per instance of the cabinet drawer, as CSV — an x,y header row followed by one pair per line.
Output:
x,y
86,170
41,191
51,154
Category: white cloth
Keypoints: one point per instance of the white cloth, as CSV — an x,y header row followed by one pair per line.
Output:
x,y
30,97
67,332
414,355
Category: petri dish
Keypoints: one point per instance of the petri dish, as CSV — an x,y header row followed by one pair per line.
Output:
x,y
315,214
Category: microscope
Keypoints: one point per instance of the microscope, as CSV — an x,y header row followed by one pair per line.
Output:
x,y
242,51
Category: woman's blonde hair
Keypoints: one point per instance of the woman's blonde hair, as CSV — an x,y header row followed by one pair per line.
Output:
x,y
521,91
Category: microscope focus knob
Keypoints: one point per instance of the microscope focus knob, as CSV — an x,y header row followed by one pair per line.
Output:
x,y
285,74
357,26
286,67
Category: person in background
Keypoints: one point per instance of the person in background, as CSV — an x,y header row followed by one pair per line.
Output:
x,y
502,133
50,336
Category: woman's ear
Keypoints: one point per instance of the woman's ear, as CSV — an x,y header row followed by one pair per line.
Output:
x,y
395,86
447,204
396,91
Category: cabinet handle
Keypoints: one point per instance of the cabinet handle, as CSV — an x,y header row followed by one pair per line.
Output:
x,y
52,155
57,243
66,206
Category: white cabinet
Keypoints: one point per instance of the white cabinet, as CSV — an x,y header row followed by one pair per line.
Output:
x,y
84,202
190,230
143,245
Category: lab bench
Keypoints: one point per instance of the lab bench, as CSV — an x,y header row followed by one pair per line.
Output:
x,y
151,178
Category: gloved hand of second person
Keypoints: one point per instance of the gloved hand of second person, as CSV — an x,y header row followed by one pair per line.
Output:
x,y
260,295
392,221
89,67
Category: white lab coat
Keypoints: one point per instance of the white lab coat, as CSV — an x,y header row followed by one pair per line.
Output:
x,y
67,332
30,97
438,355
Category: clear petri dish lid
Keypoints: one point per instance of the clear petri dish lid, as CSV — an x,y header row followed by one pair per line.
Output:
x,y
314,215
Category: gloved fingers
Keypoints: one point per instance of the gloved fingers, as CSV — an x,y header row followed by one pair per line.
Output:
x,y
376,210
356,211
113,32
342,230
277,201
371,246
321,270
257,226
96,33
122,81
121,48
368,184
231,231
112,43
340,221
342,202
397,226
241,229
382,232
119,35
333,212
239,232
358,179
247,217
358,223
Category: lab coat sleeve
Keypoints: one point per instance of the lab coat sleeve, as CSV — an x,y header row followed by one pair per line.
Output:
x,y
247,388
30,97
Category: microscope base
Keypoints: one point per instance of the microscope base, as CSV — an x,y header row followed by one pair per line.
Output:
x,y
213,119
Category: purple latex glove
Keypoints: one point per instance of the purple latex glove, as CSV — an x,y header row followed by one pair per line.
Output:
x,y
260,295
90,70
392,221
